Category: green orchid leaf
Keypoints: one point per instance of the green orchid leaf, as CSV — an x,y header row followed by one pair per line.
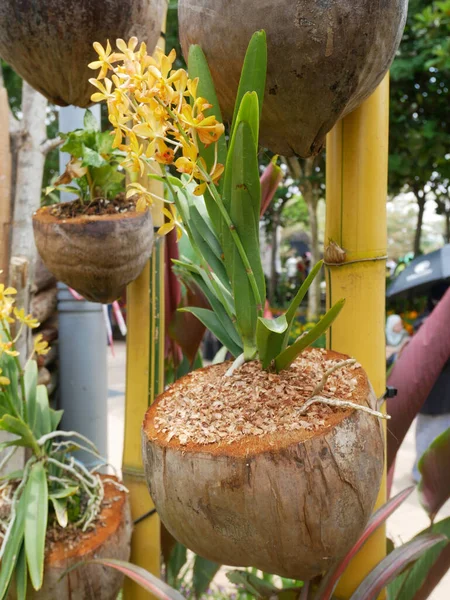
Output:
x,y
177,560
55,418
43,422
20,428
292,310
253,74
270,334
205,231
242,193
13,547
252,584
211,321
287,357
248,112
36,496
198,67
90,123
30,377
21,574
69,490
60,507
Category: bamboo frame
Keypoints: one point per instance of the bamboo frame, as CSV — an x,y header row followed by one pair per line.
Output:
x,y
357,156
5,186
144,381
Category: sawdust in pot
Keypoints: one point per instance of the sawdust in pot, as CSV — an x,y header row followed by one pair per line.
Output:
x,y
209,407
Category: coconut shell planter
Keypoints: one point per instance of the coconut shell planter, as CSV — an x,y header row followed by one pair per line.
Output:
x,y
49,43
97,255
110,537
242,472
325,58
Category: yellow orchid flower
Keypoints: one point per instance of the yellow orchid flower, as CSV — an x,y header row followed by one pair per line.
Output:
x,y
41,347
27,320
105,59
172,222
8,348
145,197
105,90
3,380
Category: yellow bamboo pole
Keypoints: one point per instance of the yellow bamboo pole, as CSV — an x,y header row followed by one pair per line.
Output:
x,y
357,154
144,381
5,185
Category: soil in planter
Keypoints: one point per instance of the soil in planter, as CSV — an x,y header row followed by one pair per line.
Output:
x,y
98,206
253,406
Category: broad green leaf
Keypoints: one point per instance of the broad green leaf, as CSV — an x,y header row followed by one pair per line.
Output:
x,y
434,485
287,357
176,562
92,158
387,569
30,378
249,112
21,575
13,546
55,418
242,194
146,580
90,123
198,67
253,74
36,496
407,584
203,573
270,334
205,231
60,507
211,321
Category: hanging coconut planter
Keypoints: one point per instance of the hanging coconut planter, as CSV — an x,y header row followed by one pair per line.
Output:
x,y
110,537
245,470
325,58
96,255
49,42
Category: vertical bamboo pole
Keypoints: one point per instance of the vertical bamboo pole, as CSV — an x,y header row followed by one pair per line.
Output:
x,y
144,381
357,154
5,185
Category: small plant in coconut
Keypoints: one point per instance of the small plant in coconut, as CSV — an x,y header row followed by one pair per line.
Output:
x,y
99,242
273,461
54,512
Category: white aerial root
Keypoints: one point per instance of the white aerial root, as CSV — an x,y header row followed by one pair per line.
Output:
x,y
316,398
240,360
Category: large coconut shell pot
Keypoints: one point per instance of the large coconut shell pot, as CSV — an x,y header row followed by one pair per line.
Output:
x,y
291,503
49,42
111,538
98,255
324,58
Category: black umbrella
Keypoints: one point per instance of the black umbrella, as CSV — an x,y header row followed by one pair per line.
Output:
x,y
422,273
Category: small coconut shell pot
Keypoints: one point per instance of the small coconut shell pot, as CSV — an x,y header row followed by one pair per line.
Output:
x,y
110,538
96,255
292,500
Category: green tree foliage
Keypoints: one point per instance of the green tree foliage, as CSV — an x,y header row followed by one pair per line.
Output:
x,y
420,130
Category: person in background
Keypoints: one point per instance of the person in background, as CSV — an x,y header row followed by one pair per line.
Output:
x,y
396,338
292,268
434,416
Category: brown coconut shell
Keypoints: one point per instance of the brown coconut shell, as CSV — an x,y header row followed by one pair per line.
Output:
x,y
96,255
324,58
291,503
111,538
49,43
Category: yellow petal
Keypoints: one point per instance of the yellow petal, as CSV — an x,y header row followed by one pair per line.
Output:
x,y
164,229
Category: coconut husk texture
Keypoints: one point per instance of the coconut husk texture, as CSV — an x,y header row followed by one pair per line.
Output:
x,y
324,58
292,501
49,42
110,538
96,255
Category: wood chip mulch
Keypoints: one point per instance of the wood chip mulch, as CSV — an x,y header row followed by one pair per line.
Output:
x,y
207,407
98,206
